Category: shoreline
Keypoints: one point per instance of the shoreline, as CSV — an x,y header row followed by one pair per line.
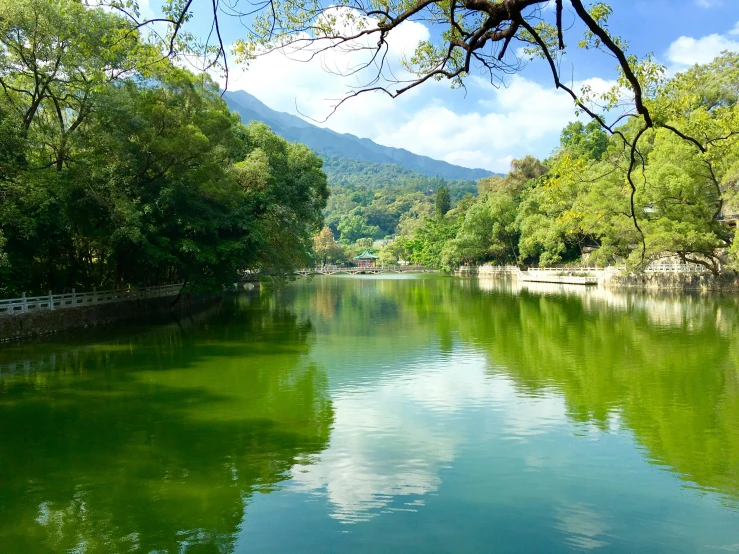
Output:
x,y
28,326
612,279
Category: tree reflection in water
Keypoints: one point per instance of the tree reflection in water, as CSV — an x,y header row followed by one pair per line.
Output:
x,y
665,366
158,441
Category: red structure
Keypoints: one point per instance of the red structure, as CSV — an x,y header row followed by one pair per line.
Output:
x,y
365,259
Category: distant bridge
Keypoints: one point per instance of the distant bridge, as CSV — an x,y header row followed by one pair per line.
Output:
x,y
335,270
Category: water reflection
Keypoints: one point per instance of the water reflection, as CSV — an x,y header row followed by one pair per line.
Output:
x,y
392,439
666,365
157,442
661,366
385,415
583,527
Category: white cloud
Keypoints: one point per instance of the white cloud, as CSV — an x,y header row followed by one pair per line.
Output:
x,y
522,118
688,51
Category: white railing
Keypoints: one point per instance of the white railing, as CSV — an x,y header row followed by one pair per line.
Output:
x,y
496,269
570,269
333,270
74,299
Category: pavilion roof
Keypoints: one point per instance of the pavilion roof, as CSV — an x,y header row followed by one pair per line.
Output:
x,y
366,255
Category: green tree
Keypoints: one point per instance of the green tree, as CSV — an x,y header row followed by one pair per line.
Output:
x,y
325,247
119,167
589,141
443,201
354,227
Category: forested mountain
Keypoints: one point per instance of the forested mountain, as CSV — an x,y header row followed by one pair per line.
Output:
x,y
345,172
330,143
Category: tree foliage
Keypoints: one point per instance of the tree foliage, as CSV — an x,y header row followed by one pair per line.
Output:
x,y
443,201
118,167
582,199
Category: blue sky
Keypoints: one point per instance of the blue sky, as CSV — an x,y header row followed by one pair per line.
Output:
x,y
483,126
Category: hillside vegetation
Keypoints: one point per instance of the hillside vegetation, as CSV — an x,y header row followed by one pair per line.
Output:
x,y
378,201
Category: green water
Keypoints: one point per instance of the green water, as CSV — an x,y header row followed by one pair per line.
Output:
x,y
381,415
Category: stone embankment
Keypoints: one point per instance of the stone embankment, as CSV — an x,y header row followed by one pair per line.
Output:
x,y
45,322
676,281
663,279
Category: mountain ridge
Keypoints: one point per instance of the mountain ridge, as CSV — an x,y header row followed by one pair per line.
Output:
x,y
344,145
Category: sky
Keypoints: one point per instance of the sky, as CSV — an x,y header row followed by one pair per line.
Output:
x,y
482,126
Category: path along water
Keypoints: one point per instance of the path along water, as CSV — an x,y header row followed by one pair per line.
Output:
x,y
406,414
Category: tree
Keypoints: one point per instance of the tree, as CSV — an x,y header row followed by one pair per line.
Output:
x,y
324,245
682,205
488,184
50,71
523,172
395,251
588,141
443,202
426,247
354,227
119,167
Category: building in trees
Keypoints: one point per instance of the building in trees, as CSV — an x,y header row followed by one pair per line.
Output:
x,y
366,259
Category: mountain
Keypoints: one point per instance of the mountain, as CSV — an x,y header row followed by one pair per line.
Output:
x,y
326,141
344,172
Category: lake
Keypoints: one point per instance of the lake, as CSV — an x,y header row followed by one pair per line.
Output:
x,y
409,414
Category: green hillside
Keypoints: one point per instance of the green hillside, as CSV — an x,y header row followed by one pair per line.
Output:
x,y
330,143
346,172
377,200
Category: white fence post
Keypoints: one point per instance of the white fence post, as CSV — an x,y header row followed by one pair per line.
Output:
x,y
24,304
51,301
74,298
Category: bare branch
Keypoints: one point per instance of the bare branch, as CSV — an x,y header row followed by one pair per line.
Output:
x,y
220,44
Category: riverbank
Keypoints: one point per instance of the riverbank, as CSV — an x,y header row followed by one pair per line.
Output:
x,y
706,282
45,322
613,278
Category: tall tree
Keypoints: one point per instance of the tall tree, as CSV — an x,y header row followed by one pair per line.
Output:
x,y
443,201
325,247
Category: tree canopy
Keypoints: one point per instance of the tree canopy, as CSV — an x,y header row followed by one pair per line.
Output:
x,y
492,36
118,167
580,200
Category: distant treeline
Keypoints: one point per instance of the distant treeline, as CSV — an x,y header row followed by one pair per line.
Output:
x,y
375,201
117,167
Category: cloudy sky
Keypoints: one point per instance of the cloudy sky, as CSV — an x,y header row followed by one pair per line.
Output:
x,y
484,126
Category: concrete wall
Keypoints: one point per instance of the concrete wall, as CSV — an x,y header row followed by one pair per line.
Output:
x,y
675,281
21,326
